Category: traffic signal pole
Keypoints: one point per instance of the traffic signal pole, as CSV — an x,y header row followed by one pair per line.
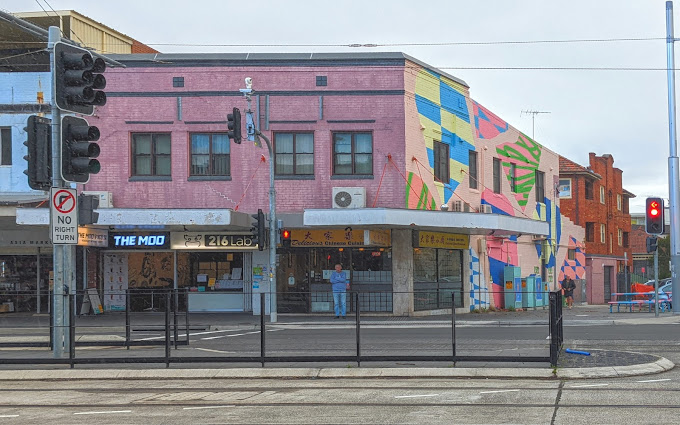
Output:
x,y
58,251
673,165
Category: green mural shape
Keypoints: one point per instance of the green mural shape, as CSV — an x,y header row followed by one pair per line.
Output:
x,y
526,155
422,198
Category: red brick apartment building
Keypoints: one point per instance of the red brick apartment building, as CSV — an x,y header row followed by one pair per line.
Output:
x,y
593,197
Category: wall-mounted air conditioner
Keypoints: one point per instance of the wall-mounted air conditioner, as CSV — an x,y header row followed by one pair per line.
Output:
x,y
457,206
486,209
349,197
105,198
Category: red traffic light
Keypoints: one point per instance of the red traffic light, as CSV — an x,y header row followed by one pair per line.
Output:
x,y
654,221
653,208
286,234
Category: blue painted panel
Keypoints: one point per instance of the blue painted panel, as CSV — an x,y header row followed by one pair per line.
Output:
x,y
428,109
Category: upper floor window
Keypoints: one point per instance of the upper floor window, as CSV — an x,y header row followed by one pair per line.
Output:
x,y
589,189
210,154
513,177
603,234
590,232
321,80
496,175
602,194
5,146
540,186
618,202
565,188
626,239
178,81
353,153
620,237
151,154
625,205
472,170
294,153
441,161
571,254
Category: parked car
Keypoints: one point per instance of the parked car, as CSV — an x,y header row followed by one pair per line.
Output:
x,y
664,289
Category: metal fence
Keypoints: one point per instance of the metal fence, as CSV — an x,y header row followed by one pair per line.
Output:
x,y
173,327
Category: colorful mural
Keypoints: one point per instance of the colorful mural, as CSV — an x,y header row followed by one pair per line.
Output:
x,y
576,268
525,156
479,292
444,115
418,196
487,124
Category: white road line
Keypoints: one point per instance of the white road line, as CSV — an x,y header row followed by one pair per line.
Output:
x,y
245,333
587,385
197,333
215,351
655,380
207,407
581,315
9,416
498,391
412,396
103,412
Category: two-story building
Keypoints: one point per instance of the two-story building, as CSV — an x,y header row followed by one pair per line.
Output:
x,y
593,197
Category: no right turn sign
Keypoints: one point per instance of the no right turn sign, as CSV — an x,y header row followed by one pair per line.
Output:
x,y
64,216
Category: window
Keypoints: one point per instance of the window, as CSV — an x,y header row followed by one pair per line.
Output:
x,y
178,81
625,205
565,188
540,186
437,275
513,177
472,159
5,146
626,239
589,189
603,234
618,202
590,232
294,153
571,254
210,154
151,154
620,237
441,162
321,80
602,194
496,175
352,153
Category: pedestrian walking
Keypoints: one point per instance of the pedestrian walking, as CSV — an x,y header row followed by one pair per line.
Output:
x,y
340,285
568,287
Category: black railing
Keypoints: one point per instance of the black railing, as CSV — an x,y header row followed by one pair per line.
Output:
x,y
168,335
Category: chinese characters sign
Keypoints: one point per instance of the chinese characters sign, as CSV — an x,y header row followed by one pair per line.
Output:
x,y
442,240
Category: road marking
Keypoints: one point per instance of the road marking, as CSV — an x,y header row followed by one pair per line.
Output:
x,y
103,412
498,391
207,407
9,416
581,315
245,333
655,380
215,351
419,395
191,334
587,385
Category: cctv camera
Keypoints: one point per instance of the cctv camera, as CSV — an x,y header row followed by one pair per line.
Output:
x,y
249,83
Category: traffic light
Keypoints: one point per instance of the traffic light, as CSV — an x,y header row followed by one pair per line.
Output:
x,y
654,222
652,244
258,229
234,125
86,206
78,80
285,238
77,151
39,157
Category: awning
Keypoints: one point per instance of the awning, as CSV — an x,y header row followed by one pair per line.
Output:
x,y
455,222
138,218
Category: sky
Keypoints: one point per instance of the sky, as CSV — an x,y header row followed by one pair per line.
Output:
x,y
620,111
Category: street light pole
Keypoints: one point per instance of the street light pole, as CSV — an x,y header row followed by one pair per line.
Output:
x,y
253,135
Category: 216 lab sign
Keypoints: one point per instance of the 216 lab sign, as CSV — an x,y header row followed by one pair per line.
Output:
x,y
199,240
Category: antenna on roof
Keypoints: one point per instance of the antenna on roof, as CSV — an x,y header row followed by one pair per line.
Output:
x,y
533,118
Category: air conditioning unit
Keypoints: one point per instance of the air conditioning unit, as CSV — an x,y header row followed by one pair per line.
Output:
x,y
457,206
537,237
105,198
466,207
349,197
486,209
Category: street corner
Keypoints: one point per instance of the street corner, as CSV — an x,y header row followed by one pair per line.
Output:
x,y
609,364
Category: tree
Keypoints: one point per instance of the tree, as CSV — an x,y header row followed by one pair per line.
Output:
x,y
664,247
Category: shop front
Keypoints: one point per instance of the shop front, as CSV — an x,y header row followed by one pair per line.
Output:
x,y
304,269
438,269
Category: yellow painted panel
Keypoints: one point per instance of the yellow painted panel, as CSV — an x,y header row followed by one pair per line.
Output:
x,y
427,86
458,87
448,121
464,130
457,171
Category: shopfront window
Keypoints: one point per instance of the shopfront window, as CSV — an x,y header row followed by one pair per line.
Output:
x,y
437,275
216,271
19,290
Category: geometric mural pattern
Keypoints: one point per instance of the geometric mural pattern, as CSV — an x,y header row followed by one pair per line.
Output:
x,y
525,155
487,124
576,268
479,292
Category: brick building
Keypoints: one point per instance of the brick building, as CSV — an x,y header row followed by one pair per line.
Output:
x,y
594,197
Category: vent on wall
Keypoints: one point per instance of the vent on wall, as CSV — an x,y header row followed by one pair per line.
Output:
x,y
349,197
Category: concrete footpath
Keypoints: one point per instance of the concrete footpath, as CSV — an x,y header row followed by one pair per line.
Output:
x,y
599,364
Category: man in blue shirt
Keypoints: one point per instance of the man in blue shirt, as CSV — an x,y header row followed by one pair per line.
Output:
x,y
340,285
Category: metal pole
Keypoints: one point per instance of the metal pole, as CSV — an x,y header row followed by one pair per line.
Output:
x,y
37,261
272,232
453,324
262,329
625,271
167,329
673,166
656,282
127,318
358,326
54,35
72,332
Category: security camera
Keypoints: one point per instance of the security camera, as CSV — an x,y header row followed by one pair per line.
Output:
x,y
249,83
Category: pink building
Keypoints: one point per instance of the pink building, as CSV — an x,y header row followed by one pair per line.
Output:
x,y
383,164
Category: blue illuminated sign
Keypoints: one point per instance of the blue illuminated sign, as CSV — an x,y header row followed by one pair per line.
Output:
x,y
140,241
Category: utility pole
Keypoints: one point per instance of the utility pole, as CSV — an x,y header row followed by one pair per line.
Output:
x,y
533,119
673,170
253,135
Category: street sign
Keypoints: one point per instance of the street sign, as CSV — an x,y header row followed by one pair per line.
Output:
x,y
63,216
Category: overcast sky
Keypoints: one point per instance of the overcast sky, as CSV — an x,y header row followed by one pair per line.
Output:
x,y
620,112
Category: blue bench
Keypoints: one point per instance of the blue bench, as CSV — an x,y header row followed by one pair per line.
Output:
x,y
663,304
